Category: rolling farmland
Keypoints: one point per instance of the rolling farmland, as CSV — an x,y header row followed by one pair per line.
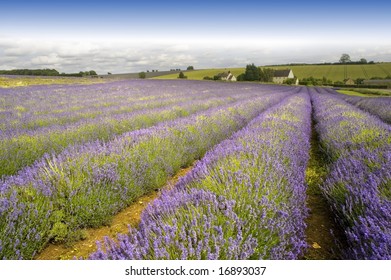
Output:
x,y
341,72
73,156
332,72
200,74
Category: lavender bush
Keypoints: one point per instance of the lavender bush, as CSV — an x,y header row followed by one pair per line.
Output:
x,y
378,106
244,200
85,185
22,150
187,224
359,182
39,120
29,108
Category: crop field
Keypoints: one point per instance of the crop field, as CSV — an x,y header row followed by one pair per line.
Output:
x,y
200,74
331,72
7,81
74,156
341,72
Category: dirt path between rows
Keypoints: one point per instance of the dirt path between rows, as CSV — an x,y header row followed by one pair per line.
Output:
x,y
323,245
120,224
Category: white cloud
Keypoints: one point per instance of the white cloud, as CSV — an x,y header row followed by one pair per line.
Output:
x,y
124,55
44,60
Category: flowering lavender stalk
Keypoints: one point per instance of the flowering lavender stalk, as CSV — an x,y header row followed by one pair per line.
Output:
x,y
359,181
22,150
85,185
188,224
378,106
157,101
38,106
256,194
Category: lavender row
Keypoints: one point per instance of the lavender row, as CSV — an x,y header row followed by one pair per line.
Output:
x,y
87,102
85,185
358,186
378,106
33,122
20,151
35,107
49,100
353,128
17,151
244,200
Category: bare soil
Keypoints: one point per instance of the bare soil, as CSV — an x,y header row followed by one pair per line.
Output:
x,y
324,235
130,216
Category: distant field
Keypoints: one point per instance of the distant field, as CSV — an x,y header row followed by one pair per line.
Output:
x,y
21,81
200,74
341,72
332,72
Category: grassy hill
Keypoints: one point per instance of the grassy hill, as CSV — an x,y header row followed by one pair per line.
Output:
x,y
341,72
332,72
200,74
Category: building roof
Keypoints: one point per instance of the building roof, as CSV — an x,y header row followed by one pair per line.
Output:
x,y
282,73
223,75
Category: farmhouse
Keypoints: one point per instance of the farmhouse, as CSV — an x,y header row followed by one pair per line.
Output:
x,y
282,75
349,81
227,76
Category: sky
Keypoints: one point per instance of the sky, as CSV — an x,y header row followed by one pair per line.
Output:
x,y
132,36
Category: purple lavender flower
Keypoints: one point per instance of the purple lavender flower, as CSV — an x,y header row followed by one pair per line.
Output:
x,y
358,185
220,211
86,184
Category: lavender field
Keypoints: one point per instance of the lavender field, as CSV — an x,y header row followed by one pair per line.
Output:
x,y
73,156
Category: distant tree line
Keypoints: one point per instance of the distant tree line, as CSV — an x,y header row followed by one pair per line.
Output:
x,y
345,59
31,72
45,72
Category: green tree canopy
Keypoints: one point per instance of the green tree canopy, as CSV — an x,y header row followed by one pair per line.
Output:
x,y
266,75
251,73
345,58
182,76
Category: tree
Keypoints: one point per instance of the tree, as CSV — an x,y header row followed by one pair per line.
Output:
x,y
359,81
290,81
345,58
251,73
363,61
240,78
266,75
142,75
190,68
182,76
